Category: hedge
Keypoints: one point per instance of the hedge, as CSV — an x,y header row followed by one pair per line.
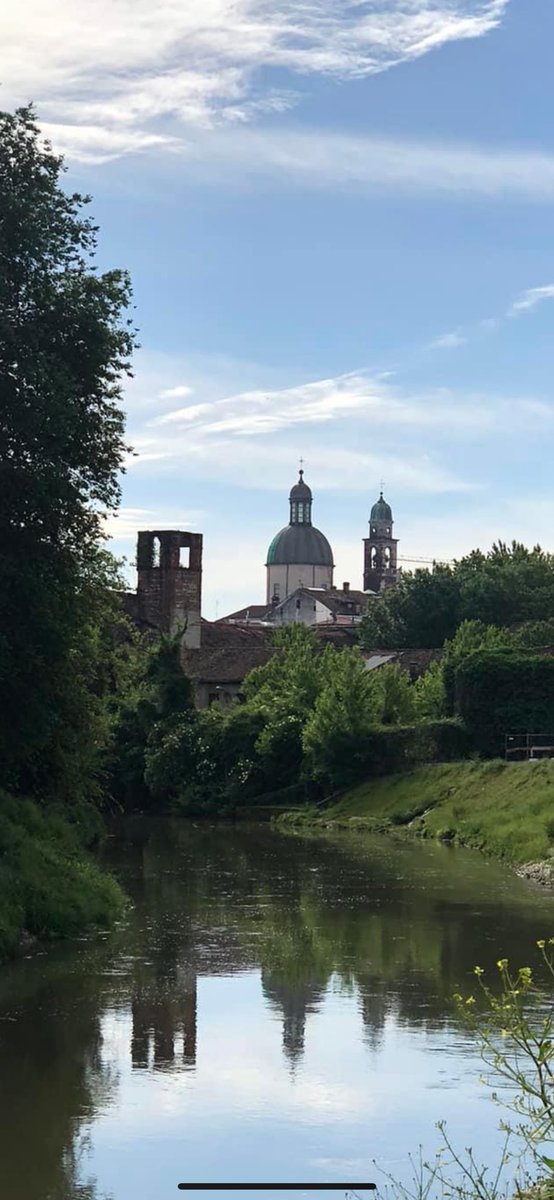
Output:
x,y
498,692
389,749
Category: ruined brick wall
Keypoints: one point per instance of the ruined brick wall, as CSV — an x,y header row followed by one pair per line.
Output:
x,y
169,588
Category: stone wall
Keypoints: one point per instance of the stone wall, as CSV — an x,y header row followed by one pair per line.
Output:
x,y
169,588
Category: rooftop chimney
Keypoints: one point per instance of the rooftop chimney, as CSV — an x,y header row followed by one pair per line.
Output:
x,y
346,587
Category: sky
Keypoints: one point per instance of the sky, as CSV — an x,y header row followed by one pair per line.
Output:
x,y
338,218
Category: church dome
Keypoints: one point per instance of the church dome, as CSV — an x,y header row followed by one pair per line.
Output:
x,y
381,511
300,544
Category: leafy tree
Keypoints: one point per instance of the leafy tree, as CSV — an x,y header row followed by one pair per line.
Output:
x,y
430,694
476,635
65,343
504,587
422,610
396,695
292,679
536,633
348,706
153,701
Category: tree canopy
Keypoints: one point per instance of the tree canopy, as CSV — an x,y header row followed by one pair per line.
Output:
x,y
504,587
66,339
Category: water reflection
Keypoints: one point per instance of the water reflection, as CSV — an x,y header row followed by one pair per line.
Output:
x,y
282,991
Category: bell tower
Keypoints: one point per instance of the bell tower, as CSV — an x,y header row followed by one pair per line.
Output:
x,y
380,549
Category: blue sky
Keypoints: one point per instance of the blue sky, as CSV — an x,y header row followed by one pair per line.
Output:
x,y
338,216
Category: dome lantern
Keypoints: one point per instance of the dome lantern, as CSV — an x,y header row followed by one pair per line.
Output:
x,y
300,499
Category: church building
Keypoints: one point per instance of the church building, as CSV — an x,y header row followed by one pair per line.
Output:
x,y
299,555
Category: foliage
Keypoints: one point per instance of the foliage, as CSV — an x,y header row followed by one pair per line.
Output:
x,y
430,694
313,718
396,695
341,718
498,692
291,680
504,587
49,887
65,341
515,1027
536,633
152,710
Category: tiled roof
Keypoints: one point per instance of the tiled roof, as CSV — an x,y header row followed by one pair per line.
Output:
x,y
228,652
416,662
336,599
254,612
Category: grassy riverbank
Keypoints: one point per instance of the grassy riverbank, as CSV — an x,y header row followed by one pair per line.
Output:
x,y
49,885
503,810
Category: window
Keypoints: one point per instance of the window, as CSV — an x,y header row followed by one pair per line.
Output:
x,y
184,556
155,552
300,513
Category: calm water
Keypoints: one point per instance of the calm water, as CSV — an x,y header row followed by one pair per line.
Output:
x,y
273,1008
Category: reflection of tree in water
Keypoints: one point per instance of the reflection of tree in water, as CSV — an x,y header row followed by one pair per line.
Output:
x,y
402,925
399,926
294,1001
53,1078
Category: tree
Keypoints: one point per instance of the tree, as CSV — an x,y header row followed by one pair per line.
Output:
x,y
65,343
429,694
348,706
396,694
504,587
422,610
292,678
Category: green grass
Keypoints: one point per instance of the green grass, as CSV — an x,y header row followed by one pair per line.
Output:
x,y
49,886
504,810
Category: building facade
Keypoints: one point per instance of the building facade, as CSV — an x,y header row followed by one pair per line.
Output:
x,y
299,555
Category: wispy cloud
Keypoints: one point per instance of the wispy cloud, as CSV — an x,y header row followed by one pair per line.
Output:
x,y
176,393
368,398
244,438
125,524
526,302
530,299
326,159
448,341
112,76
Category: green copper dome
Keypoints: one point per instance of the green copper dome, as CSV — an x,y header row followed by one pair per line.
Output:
x,y
300,544
381,511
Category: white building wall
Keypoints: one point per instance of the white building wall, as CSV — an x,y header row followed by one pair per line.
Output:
x,y
303,609
287,577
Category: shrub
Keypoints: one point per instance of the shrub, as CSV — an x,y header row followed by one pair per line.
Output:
x,y
49,887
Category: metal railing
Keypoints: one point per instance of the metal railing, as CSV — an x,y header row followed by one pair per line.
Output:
x,y
528,747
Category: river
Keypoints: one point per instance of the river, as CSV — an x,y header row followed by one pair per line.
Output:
x,y
273,1007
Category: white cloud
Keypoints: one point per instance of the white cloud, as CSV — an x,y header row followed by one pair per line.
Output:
x,y
110,75
254,413
448,341
124,525
529,299
176,393
318,158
